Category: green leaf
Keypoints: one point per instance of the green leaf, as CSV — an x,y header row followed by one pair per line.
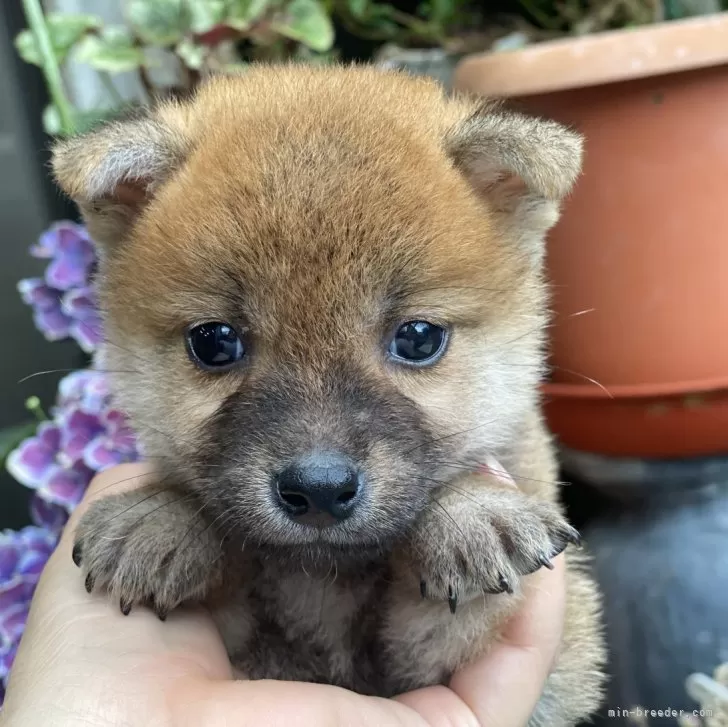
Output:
x,y
82,120
243,13
379,18
307,22
87,120
114,51
51,120
11,437
238,67
305,54
192,54
440,11
64,30
358,8
159,22
206,14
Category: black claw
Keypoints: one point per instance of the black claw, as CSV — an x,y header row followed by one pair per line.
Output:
x,y
89,583
545,562
125,607
505,586
423,589
76,554
452,600
161,614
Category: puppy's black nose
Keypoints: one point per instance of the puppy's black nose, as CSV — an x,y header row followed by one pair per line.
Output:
x,y
319,490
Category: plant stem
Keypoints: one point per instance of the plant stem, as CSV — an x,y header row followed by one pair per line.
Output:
x,y
49,63
108,83
33,405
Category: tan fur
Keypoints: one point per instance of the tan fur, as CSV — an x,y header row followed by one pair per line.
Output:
x,y
314,209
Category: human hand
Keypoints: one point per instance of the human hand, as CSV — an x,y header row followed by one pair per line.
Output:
x,y
82,662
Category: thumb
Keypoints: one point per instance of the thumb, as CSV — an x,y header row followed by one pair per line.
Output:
x,y
502,688
286,704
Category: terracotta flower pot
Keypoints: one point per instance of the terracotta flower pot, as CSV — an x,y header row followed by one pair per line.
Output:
x,y
639,260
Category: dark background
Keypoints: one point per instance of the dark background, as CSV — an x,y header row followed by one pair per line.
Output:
x,y
28,202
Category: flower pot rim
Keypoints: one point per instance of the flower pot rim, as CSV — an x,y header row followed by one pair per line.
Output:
x,y
597,59
635,391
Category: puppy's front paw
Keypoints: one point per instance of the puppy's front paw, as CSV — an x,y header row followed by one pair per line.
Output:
x,y
148,547
483,543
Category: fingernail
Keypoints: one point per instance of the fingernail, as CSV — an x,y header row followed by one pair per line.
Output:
x,y
546,562
452,600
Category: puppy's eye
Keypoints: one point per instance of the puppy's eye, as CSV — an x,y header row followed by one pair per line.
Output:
x,y
214,345
418,342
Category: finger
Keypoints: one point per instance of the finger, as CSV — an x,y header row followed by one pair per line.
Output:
x,y
201,703
502,688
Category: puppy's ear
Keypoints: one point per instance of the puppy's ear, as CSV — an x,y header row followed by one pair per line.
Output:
x,y
522,165
112,172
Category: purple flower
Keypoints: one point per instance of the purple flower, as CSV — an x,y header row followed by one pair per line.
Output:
x,y
23,556
64,301
116,444
86,435
31,462
35,292
48,314
71,253
81,307
86,388
78,429
64,486
47,515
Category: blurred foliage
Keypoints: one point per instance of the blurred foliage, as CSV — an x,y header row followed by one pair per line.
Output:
x,y
196,37
202,36
589,16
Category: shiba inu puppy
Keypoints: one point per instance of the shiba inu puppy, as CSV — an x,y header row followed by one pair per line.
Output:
x,y
325,314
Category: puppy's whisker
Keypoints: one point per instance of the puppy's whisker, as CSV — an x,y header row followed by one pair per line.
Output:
x,y
449,436
473,468
586,378
156,479
530,332
452,488
336,571
194,521
141,517
451,519
47,372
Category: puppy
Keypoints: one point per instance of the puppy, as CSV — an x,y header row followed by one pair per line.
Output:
x,y
325,313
